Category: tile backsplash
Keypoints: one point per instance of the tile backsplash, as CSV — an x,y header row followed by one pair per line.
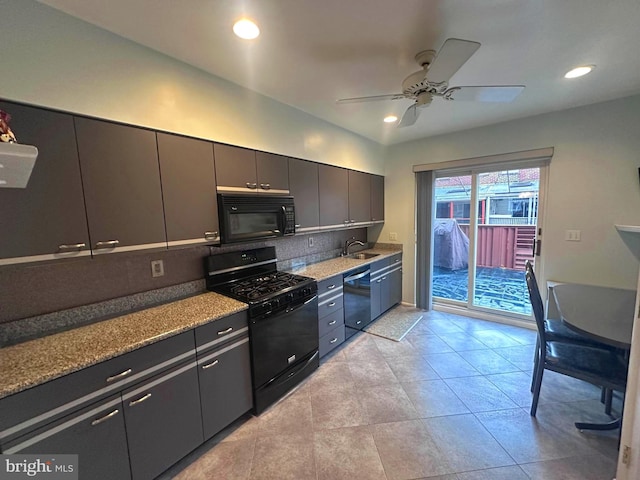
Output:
x,y
47,296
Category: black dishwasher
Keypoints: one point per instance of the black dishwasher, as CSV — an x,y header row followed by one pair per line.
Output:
x,y
357,300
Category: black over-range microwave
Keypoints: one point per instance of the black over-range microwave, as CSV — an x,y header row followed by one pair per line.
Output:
x,y
245,218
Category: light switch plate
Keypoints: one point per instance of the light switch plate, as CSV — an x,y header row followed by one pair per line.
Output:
x,y
572,235
310,242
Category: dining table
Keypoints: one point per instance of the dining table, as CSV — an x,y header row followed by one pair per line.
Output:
x,y
601,313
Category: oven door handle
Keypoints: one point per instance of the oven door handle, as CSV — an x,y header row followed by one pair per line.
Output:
x,y
302,305
274,382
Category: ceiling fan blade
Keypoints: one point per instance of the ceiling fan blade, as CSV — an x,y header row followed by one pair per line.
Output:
x,y
410,116
374,98
490,93
453,54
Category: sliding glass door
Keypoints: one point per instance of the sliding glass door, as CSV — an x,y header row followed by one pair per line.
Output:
x,y
484,230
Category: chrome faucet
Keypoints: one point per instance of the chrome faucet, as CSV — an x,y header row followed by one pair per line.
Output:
x,y
349,243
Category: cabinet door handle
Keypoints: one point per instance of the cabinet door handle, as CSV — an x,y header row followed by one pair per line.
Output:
x,y
108,244
346,222
331,287
71,246
352,221
224,332
140,400
252,186
333,340
265,186
209,365
379,280
358,322
384,278
297,225
332,304
397,260
98,421
210,235
120,375
332,322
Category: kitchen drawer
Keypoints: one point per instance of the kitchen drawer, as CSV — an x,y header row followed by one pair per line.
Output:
x,y
221,331
330,304
329,286
32,408
331,340
330,322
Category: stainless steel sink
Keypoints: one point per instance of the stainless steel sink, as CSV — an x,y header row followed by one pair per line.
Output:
x,y
362,256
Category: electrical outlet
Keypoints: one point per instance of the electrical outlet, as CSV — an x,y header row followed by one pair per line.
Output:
x,y
157,268
393,236
310,242
572,235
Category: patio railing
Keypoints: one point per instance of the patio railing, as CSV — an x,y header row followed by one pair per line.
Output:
x,y
504,246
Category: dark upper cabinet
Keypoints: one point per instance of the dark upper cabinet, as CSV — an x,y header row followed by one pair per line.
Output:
x,y
240,170
303,183
188,189
121,180
334,195
359,197
235,169
47,219
273,173
377,198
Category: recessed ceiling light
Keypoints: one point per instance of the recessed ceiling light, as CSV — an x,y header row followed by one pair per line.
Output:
x,y
579,71
245,28
390,119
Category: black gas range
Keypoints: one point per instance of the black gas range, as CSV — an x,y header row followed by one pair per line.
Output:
x,y
283,318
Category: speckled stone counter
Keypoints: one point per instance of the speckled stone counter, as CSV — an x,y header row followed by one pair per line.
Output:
x,y
34,362
336,266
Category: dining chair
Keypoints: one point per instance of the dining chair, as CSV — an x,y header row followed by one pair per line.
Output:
x,y
556,331
600,367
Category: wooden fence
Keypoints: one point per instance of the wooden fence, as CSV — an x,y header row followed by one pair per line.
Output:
x,y
506,246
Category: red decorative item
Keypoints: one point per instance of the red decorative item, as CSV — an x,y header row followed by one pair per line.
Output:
x,y
6,135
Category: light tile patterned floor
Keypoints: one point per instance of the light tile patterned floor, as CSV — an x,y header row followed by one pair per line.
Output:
x,y
449,402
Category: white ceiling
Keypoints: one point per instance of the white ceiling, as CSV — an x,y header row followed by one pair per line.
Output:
x,y
312,52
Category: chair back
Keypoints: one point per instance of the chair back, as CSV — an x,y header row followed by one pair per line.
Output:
x,y
536,304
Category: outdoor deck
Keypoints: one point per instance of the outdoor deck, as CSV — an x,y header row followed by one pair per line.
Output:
x,y
498,288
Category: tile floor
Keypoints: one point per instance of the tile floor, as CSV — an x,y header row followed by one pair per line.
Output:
x,y
449,402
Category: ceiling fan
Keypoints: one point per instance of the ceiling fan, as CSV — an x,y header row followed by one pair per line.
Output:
x,y
432,81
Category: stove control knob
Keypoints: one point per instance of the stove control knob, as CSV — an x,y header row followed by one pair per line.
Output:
x,y
306,291
267,307
290,296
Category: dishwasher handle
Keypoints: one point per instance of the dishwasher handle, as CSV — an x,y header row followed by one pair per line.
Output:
x,y
357,276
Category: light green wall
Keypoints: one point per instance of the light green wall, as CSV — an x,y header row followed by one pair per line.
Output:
x,y
54,60
593,184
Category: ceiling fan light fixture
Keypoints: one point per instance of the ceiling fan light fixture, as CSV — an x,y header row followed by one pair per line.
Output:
x,y
246,29
579,71
390,119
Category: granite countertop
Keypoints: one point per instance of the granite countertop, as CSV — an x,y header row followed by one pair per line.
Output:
x,y
336,266
37,361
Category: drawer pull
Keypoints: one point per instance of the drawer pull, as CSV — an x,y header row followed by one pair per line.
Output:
x,y
333,341
224,332
332,322
108,244
331,287
332,304
212,364
140,400
71,246
119,375
98,421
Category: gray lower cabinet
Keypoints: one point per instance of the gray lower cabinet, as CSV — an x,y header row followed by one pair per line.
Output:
x,y
330,314
121,180
303,184
386,284
163,420
47,219
225,385
96,434
188,190
333,185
